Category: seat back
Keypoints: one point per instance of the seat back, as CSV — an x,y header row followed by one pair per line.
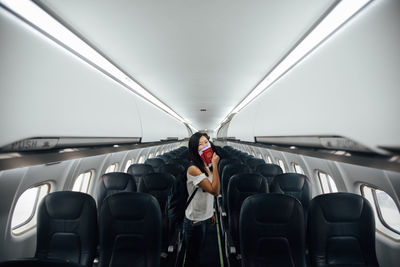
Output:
x,y
269,171
226,161
296,185
67,228
111,183
138,170
177,200
253,163
156,163
341,230
239,188
130,230
159,185
272,231
228,171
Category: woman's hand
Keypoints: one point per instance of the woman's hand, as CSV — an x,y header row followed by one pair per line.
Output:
x,y
215,160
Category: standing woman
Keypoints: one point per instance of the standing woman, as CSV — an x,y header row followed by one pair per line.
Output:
x,y
201,208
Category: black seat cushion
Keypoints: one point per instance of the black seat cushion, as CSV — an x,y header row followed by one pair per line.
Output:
x,y
67,228
269,171
130,230
272,231
341,231
111,183
239,188
156,163
138,170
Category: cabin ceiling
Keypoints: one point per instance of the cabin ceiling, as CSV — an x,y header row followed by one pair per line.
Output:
x,y
192,54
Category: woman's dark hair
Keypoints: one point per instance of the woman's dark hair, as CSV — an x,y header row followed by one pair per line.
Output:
x,y
194,156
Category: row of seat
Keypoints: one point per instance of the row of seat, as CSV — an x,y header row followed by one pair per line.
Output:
x,y
269,229
341,231
69,231
129,226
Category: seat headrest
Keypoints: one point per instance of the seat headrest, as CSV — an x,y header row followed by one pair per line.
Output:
x,y
269,170
157,181
140,169
155,162
138,203
248,182
174,169
341,207
231,169
291,182
66,204
254,162
116,180
272,207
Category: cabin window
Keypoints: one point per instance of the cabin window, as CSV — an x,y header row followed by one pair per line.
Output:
x,y
128,163
25,211
269,160
82,182
297,168
387,215
282,165
112,168
141,159
327,183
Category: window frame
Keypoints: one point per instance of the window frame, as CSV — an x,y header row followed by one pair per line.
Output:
x,y
378,209
318,172
115,168
33,211
283,166
91,171
295,166
128,163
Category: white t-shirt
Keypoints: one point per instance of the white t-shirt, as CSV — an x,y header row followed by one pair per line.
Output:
x,y
201,206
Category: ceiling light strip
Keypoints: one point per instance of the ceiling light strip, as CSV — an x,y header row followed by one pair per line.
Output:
x,y
32,13
339,15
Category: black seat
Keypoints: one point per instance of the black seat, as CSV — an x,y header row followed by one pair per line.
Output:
x,y
130,230
272,231
164,157
156,163
177,200
227,173
223,162
239,188
67,228
341,231
138,170
253,163
296,185
111,183
269,171
160,185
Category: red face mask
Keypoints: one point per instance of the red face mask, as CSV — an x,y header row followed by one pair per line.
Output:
x,y
206,153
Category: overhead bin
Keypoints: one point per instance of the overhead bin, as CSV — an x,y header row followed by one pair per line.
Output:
x,y
346,87
54,93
